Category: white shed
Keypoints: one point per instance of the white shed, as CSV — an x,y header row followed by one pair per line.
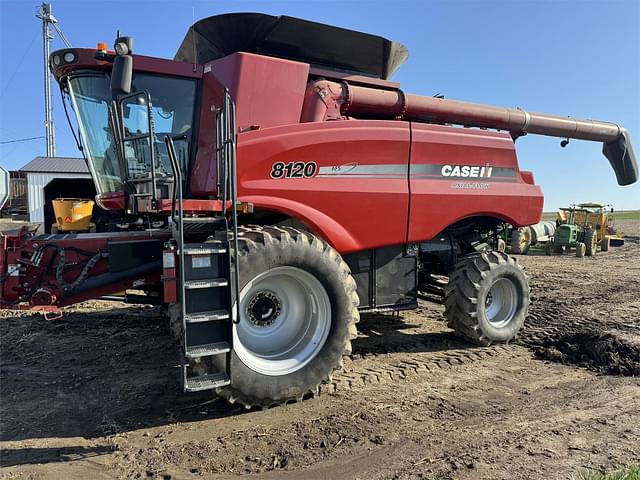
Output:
x,y
42,170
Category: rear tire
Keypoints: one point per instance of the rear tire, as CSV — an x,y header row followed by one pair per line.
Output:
x,y
548,248
521,240
310,288
590,242
487,298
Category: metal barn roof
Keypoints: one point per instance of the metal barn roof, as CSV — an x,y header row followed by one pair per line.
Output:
x,y
56,165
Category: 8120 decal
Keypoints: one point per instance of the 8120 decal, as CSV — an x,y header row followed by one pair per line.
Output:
x,y
294,170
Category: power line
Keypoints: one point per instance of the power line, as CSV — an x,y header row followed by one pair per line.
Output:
x,y
18,65
21,140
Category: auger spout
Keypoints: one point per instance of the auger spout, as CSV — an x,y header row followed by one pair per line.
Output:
x,y
325,98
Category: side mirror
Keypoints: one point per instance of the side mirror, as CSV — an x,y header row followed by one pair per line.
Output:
x,y
121,74
122,70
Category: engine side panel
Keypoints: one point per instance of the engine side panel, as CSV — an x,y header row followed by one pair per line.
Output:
x,y
346,179
358,195
458,173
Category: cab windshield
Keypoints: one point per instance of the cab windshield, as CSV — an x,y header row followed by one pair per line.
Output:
x,y
173,101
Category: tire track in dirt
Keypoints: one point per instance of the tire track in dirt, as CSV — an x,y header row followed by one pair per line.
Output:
x,y
362,372
555,329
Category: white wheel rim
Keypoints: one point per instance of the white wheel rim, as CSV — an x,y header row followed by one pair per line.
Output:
x,y
501,303
285,318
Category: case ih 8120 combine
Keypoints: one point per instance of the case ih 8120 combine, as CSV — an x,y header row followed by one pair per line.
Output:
x,y
273,163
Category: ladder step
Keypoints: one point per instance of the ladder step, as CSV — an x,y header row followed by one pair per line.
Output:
x,y
202,219
215,282
207,382
208,349
204,250
206,316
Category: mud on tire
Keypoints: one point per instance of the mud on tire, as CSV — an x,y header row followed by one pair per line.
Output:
x,y
478,281
263,249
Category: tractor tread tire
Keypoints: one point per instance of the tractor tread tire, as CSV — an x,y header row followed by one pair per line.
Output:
x,y
469,283
548,248
591,246
261,248
517,241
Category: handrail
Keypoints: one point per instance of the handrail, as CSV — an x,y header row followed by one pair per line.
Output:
x,y
230,142
177,191
177,174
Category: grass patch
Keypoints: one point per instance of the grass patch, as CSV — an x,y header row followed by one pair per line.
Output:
x,y
619,215
627,215
631,473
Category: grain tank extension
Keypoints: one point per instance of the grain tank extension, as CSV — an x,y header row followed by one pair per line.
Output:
x,y
271,183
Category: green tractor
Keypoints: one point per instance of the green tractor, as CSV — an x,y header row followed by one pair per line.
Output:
x,y
571,235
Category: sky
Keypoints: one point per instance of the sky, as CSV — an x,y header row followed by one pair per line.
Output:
x,y
565,57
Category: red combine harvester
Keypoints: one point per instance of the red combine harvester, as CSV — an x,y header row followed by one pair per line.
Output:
x,y
269,184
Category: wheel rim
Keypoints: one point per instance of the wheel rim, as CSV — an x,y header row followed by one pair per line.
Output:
x,y
501,302
285,321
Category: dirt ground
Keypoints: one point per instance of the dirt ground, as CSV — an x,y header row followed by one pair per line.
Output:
x,y
96,395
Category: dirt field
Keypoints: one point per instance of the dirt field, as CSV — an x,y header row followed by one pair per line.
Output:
x,y
96,394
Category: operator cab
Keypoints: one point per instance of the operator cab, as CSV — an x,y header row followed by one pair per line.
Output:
x,y
123,130
172,102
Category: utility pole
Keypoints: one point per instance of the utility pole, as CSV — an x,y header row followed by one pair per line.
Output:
x,y
44,13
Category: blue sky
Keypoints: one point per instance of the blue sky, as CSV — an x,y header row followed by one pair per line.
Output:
x,y
578,58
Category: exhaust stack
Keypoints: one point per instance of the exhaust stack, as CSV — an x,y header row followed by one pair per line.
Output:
x,y
326,100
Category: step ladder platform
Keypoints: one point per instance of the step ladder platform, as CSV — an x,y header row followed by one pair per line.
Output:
x,y
206,316
219,219
214,282
204,250
206,382
208,349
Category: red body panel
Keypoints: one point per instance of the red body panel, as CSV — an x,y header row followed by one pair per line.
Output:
x,y
267,91
438,201
204,174
361,206
349,211
86,58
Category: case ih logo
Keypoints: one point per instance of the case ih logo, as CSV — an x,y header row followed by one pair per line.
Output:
x,y
466,171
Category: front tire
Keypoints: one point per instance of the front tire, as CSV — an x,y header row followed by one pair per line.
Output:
x,y
548,248
591,243
521,240
298,310
487,298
